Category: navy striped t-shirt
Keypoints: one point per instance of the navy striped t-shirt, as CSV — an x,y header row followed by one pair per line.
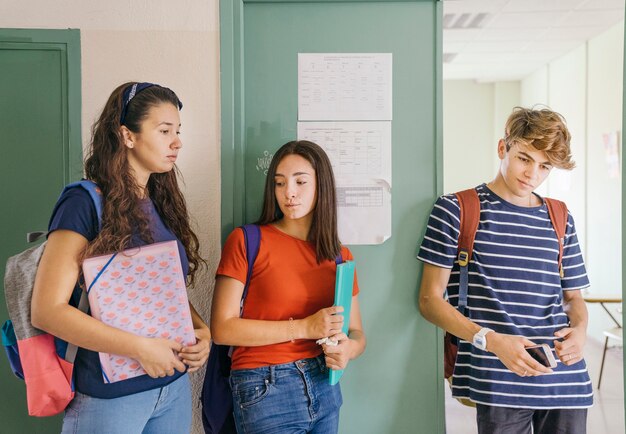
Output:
x,y
514,288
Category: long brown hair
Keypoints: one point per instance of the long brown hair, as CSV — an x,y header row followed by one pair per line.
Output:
x,y
323,232
107,165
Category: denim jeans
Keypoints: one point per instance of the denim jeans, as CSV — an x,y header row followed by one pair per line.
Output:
x,y
288,398
164,410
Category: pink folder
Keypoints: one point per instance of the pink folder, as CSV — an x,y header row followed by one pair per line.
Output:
x,y
142,291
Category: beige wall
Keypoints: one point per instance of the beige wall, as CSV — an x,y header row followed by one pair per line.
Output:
x,y
175,44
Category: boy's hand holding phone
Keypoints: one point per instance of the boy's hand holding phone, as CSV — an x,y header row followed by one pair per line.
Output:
x,y
543,354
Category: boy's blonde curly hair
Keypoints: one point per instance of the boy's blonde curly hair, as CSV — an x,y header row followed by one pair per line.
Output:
x,y
542,129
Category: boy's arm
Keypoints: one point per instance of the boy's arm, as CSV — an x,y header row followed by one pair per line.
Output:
x,y
509,349
570,349
437,310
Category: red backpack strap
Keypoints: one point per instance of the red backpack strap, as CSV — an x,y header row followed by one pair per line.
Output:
x,y
557,211
469,216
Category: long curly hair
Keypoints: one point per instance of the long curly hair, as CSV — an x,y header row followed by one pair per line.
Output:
x,y
107,165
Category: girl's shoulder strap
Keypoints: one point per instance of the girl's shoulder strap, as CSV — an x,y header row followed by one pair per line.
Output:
x,y
94,192
252,240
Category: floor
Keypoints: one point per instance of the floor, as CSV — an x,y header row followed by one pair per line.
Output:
x,y
606,416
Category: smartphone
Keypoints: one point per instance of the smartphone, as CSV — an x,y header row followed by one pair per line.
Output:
x,y
543,354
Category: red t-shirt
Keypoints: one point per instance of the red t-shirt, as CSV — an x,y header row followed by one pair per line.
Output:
x,y
287,282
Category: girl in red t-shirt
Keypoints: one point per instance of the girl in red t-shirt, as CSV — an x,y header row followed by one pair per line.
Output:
x,y
279,374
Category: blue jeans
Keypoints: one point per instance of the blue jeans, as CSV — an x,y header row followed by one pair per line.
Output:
x,y
289,398
163,410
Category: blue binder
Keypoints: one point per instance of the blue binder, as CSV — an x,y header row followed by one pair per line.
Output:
x,y
344,283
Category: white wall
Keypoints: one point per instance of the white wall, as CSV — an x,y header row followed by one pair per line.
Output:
x,y
175,44
562,86
585,86
473,121
506,97
567,94
534,88
468,149
604,115
534,92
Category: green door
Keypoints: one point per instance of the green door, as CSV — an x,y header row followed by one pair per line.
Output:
x,y
397,385
41,152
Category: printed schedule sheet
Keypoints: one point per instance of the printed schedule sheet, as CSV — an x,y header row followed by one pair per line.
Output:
x,y
345,106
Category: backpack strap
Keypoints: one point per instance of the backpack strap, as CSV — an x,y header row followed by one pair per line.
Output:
x,y
252,239
83,304
94,192
470,216
557,211
96,196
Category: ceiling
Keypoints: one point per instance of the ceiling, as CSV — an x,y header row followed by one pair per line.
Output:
x,y
497,40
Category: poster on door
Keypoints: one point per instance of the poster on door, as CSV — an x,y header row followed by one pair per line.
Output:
x,y
345,106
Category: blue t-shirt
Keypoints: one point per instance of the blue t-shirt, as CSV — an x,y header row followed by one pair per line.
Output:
x,y
76,212
514,287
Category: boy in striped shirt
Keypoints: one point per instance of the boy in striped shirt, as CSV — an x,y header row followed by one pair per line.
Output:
x,y
516,295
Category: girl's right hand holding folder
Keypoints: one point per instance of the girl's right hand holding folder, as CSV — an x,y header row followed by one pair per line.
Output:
x,y
323,323
158,356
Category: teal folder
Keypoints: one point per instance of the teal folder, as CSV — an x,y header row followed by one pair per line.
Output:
x,y
344,281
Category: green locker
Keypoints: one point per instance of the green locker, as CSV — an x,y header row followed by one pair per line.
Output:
x,y
396,386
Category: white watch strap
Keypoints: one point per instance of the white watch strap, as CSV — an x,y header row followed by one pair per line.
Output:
x,y
483,331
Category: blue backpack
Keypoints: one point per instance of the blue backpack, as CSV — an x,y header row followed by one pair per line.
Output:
x,y
44,362
216,396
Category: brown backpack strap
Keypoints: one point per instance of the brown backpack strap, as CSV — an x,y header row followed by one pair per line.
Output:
x,y
470,216
557,211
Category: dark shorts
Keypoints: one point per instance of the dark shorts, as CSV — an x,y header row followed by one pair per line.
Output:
x,y
504,420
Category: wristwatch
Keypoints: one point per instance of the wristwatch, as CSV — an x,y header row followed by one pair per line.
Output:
x,y
480,339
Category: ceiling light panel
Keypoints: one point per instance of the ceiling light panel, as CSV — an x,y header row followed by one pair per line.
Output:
x,y
465,20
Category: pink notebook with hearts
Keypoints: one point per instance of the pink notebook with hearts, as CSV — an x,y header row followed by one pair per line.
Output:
x,y
141,291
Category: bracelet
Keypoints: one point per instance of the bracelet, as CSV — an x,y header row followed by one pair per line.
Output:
x,y
291,330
